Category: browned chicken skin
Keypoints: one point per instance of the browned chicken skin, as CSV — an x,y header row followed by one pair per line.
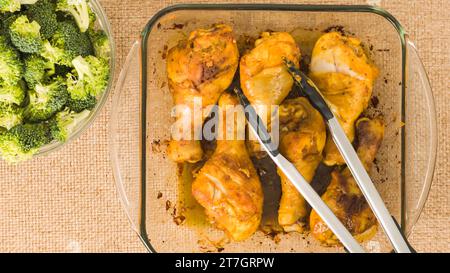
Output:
x,y
265,80
228,186
200,68
343,195
302,135
341,70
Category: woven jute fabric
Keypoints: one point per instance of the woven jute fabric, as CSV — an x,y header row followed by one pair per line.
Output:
x,y
67,202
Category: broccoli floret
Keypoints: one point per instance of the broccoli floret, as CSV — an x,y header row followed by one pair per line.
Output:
x,y
101,44
92,76
7,20
76,87
9,5
92,18
64,123
53,54
25,35
11,68
46,100
14,5
66,44
12,94
79,104
3,17
43,12
23,141
10,115
89,79
86,47
80,11
37,70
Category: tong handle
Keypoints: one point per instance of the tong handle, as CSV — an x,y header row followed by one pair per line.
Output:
x,y
391,228
307,86
404,237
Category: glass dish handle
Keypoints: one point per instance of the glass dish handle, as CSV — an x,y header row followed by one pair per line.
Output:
x,y
124,135
420,152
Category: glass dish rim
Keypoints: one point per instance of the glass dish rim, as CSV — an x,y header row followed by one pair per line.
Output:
x,y
403,36
57,145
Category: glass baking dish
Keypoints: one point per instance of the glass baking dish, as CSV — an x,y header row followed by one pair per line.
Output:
x,y
148,182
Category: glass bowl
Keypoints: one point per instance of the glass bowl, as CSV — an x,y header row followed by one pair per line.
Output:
x,y
148,182
101,23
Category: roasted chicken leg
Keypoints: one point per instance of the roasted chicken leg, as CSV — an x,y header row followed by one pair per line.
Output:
x,y
199,70
302,139
265,80
341,70
343,195
228,186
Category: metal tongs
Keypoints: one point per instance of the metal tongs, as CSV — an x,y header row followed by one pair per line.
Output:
x,y
390,226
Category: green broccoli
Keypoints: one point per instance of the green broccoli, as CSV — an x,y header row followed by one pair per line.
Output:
x,y
9,5
92,76
12,94
100,42
14,5
37,69
7,20
3,17
43,12
53,67
92,19
10,115
11,68
79,96
84,42
79,104
63,123
80,11
23,141
76,87
89,79
53,54
66,44
25,35
46,100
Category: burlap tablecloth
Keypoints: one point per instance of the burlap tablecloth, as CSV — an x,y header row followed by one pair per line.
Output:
x,y
66,202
